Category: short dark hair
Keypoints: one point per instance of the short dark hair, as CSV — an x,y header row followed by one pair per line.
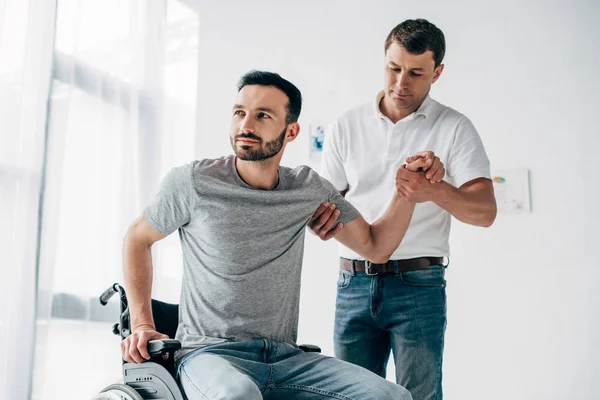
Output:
x,y
264,78
417,36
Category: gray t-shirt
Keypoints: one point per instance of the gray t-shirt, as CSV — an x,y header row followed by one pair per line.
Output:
x,y
242,248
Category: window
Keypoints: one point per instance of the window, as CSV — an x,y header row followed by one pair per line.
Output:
x,y
122,114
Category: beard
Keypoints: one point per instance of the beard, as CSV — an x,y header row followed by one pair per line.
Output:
x,y
266,151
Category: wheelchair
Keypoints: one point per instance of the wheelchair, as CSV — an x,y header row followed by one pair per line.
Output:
x,y
154,379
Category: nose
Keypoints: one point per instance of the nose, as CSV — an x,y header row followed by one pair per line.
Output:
x,y
403,80
247,125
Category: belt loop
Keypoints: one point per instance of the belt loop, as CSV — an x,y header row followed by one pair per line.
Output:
x,y
352,268
396,269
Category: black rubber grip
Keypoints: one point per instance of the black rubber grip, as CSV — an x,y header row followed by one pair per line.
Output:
x,y
108,293
162,346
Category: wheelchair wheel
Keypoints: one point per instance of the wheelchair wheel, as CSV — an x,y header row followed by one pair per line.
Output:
x,y
118,392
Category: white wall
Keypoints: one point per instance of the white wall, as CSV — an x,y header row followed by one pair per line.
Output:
x,y
522,295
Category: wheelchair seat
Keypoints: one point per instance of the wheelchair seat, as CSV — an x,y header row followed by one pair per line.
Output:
x,y
154,379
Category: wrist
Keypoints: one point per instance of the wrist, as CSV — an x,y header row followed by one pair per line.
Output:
x,y
143,326
443,191
400,199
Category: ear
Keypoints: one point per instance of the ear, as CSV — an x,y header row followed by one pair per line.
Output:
x,y
437,72
293,132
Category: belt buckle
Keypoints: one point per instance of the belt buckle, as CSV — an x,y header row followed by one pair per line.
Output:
x,y
368,268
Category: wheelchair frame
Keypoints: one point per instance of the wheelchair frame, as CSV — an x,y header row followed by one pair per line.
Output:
x,y
149,380
154,379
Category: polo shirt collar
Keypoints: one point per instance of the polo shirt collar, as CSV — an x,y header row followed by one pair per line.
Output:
x,y
426,108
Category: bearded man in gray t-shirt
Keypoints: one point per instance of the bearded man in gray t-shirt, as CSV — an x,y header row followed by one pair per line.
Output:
x,y
241,220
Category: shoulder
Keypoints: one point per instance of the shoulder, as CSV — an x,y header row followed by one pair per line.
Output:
x,y
300,174
195,172
448,114
212,167
451,124
356,113
351,121
179,173
304,177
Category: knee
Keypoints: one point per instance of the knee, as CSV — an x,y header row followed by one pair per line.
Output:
x,y
240,389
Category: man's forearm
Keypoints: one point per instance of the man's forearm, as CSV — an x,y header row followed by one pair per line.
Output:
x,y
389,230
475,207
137,270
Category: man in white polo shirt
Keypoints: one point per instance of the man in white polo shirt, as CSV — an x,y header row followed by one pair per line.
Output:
x,y
400,306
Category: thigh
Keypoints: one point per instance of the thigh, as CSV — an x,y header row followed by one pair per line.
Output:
x,y
357,337
206,376
367,349
314,376
417,331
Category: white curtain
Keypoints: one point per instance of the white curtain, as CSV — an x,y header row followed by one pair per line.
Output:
x,y
120,81
26,38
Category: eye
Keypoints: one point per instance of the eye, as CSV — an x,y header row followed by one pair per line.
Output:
x,y
395,69
415,74
239,113
263,116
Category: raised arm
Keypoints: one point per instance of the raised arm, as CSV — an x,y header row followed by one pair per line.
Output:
x,y
377,242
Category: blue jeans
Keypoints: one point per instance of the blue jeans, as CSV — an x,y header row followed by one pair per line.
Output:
x,y
264,369
405,313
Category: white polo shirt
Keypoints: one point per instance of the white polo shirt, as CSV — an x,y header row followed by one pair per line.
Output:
x,y
363,149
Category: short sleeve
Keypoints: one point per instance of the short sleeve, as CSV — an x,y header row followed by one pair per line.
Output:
x,y
332,163
468,159
347,211
173,205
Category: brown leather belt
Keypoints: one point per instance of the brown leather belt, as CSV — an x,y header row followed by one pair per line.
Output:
x,y
369,268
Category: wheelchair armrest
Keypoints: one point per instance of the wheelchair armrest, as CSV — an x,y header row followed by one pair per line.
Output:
x,y
163,346
310,348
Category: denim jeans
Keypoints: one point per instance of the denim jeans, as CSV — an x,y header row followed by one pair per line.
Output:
x,y
405,313
264,369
